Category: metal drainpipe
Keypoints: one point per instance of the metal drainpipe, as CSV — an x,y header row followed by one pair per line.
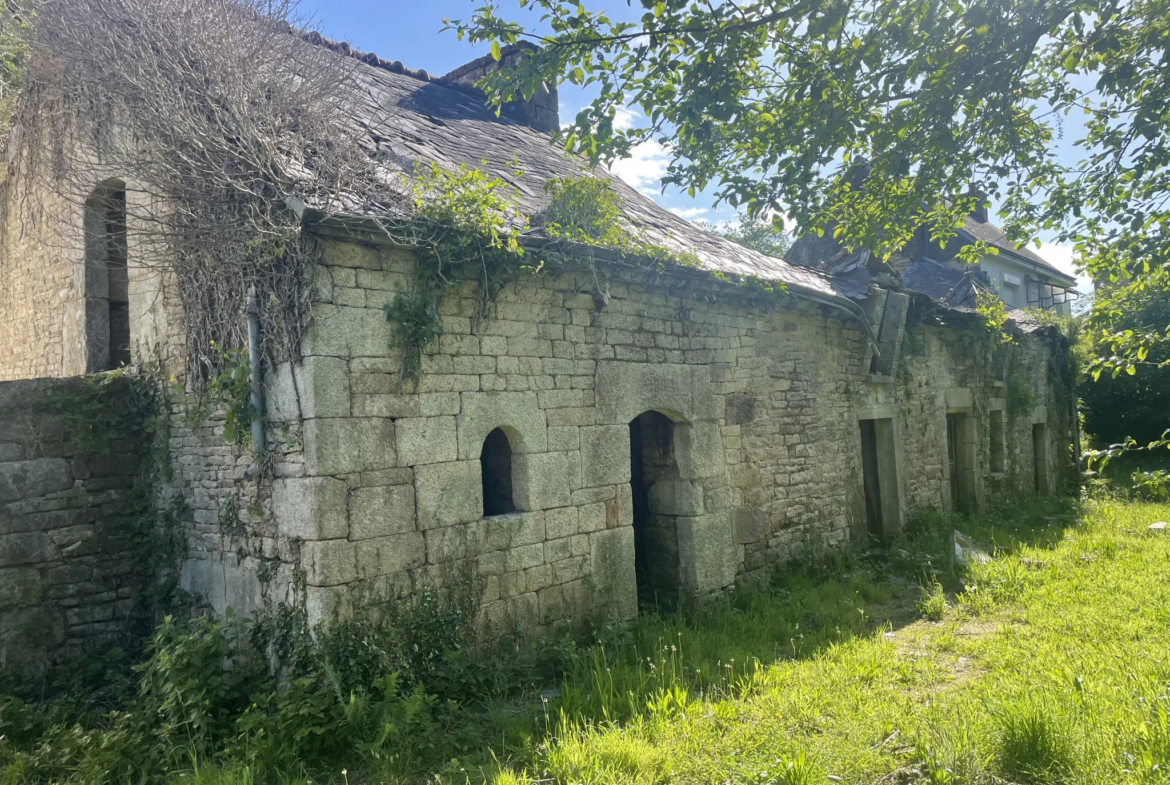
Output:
x,y
257,397
846,305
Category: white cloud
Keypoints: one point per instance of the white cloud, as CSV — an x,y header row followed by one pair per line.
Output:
x,y
647,163
625,119
689,213
644,169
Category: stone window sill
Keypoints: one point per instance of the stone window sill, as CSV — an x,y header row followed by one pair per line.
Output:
x,y
499,516
877,378
997,384
996,475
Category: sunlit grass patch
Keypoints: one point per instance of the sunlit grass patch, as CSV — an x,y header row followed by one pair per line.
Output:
x,y
1044,668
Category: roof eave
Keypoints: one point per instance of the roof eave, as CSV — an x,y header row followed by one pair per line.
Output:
x,y
343,225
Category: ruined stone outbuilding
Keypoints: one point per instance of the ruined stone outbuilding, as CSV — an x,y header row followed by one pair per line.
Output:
x,y
582,449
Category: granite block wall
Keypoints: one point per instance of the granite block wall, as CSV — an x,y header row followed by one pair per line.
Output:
x,y
50,309
375,489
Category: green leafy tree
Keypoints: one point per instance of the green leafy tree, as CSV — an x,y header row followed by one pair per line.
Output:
x,y
758,232
878,118
1117,405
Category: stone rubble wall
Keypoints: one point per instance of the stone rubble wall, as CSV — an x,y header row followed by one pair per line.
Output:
x,y
68,576
376,492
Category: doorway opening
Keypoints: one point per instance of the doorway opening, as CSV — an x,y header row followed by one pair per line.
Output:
x,y
656,555
879,471
961,461
1040,458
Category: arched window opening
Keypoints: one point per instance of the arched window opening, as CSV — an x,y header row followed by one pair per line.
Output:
x,y
657,566
495,463
107,282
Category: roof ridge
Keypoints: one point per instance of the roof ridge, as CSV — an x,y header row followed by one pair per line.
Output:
x,y
395,67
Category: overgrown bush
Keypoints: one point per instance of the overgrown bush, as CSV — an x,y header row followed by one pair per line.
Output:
x,y
1135,405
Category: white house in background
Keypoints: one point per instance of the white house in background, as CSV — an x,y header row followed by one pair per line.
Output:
x,y
1017,274
1021,277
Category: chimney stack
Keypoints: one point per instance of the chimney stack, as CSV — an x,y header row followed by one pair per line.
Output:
x,y
541,112
980,211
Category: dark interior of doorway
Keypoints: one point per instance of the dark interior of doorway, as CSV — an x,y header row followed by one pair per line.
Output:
x,y
656,557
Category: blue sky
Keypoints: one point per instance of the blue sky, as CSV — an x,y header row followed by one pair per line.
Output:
x,y
409,31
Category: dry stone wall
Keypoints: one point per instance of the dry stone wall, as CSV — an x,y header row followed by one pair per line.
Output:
x,y
68,518
376,487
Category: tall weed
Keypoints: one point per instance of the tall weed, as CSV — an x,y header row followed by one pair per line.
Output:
x,y
1034,744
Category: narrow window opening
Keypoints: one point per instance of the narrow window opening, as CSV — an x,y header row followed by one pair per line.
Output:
x,y
961,462
107,282
653,470
495,463
998,447
1040,458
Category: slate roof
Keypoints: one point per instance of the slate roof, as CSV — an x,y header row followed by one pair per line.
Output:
x,y
409,117
938,282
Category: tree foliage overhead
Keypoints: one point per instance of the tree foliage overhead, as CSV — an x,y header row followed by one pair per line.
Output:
x,y
861,115
1137,405
757,232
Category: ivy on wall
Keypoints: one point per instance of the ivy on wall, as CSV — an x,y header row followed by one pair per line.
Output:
x,y
228,390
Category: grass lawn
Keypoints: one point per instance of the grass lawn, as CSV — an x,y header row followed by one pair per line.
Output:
x,y
1048,664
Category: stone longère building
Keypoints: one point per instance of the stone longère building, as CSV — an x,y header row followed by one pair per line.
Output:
x,y
580,449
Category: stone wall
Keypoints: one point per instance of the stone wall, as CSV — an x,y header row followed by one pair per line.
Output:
x,y
41,317
69,571
48,302
376,488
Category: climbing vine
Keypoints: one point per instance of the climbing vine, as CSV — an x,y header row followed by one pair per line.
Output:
x,y
464,226
1020,398
227,389
467,226
116,412
214,119
418,323
15,21
106,411
994,313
